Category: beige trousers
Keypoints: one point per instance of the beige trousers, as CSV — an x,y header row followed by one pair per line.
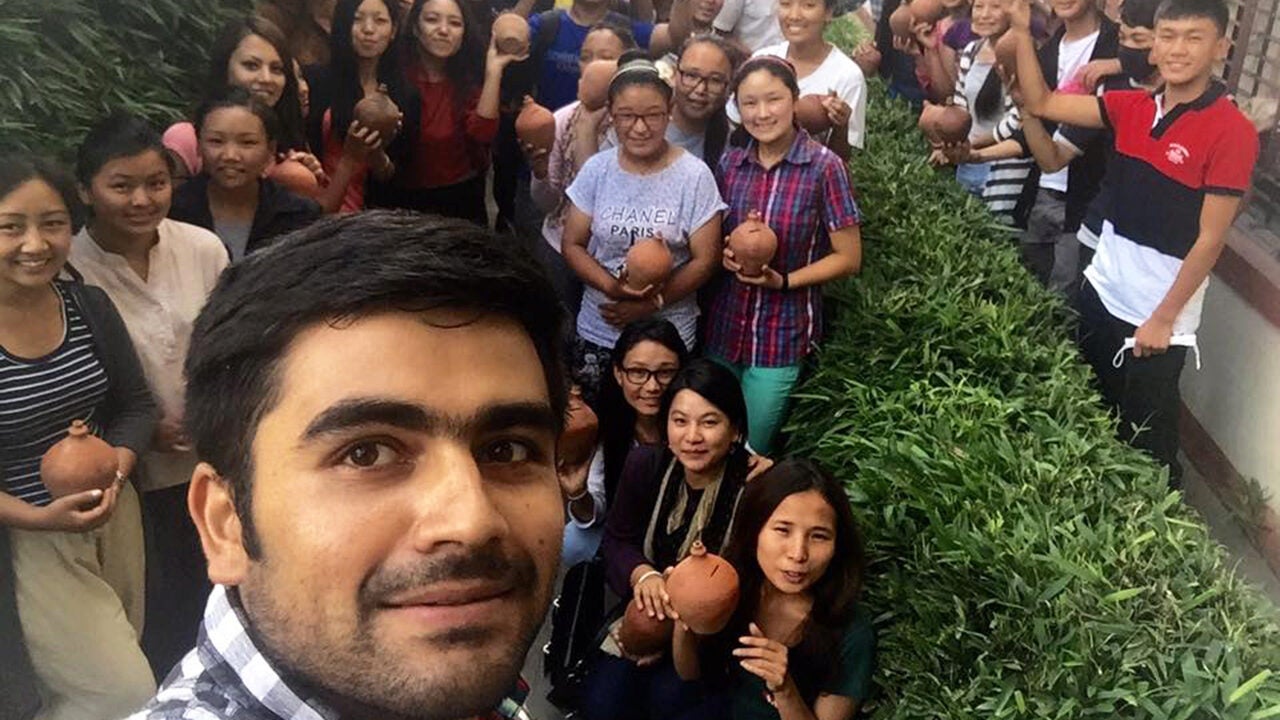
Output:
x,y
80,601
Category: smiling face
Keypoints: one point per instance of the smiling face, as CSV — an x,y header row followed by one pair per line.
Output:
x,y
796,545
440,29
767,107
130,195
802,21
1072,9
640,114
1185,49
699,433
234,147
409,520
702,80
372,30
35,235
256,66
654,364
989,18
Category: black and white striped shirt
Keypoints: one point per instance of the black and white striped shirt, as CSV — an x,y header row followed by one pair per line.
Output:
x,y
1007,177
39,397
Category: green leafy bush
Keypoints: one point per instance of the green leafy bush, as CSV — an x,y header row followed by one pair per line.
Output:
x,y
1025,562
67,62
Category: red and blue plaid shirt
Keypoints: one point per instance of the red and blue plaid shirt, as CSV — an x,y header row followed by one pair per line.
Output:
x,y
803,199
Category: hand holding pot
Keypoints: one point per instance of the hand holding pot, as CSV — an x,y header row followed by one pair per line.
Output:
x,y
620,313
496,61
79,512
310,162
958,153
651,595
838,111
768,277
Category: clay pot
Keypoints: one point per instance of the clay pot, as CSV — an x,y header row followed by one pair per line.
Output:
x,y
928,121
379,112
581,430
868,61
535,125
295,177
900,22
1006,50
753,244
811,115
593,85
511,34
642,635
927,11
649,262
952,124
78,462
704,590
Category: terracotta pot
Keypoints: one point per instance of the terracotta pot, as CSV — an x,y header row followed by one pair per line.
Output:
x,y
1006,50
581,430
869,61
295,177
649,262
900,22
928,121
753,244
642,635
927,11
379,112
811,115
593,85
511,34
535,125
78,462
953,124
704,590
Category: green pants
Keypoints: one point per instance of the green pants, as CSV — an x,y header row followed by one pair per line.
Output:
x,y
767,391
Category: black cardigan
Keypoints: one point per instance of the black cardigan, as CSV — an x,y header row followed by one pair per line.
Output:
x,y
1084,174
128,419
279,211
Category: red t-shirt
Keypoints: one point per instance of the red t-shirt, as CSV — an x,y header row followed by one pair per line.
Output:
x,y
453,142
331,155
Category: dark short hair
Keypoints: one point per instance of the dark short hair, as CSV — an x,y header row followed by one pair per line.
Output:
x,y
19,168
119,135
714,382
1139,13
229,97
620,31
1215,10
340,268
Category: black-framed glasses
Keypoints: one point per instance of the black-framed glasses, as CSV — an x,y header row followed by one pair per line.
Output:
x,y
640,376
626,120
689,80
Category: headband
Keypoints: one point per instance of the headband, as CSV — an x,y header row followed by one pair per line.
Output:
x,y
638,65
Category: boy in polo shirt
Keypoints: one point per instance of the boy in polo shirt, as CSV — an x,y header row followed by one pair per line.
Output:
x,y
1183,157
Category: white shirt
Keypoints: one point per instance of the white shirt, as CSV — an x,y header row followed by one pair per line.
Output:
x,y
159,313
754,22
1072,55
838,72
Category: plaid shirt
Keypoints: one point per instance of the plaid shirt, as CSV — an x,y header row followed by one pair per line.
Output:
x,y
226,677
802,198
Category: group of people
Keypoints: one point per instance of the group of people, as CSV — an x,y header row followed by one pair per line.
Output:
x,y
1105,140
335,427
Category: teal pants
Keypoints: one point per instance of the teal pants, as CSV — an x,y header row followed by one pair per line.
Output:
x,y
767,391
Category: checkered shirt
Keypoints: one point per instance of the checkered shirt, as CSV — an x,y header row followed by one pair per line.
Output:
x,y
226,677
802,198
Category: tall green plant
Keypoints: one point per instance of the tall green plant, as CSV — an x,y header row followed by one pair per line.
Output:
x,y
67,62
1026,563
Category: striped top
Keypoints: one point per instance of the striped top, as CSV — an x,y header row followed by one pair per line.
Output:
x,y
1007,177
39,397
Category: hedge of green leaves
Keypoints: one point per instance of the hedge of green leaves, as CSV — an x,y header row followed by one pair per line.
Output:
x,y
1025,562
67,62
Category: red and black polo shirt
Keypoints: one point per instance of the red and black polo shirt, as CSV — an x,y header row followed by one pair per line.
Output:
x,y
1163,167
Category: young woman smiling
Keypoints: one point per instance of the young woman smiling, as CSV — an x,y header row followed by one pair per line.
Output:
x,y
646,187
764,326
799,646
158,273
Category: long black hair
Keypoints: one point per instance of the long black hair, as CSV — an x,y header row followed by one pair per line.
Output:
x,y
288,109
344,65
718,124
617,417
465,69
835,594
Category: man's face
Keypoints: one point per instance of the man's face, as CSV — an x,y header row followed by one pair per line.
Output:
x,y
406,502
1185,49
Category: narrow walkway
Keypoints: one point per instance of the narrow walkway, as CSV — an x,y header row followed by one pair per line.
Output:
x,y
1225,529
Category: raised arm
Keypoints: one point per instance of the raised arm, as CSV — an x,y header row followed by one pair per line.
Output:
x,y
1037,99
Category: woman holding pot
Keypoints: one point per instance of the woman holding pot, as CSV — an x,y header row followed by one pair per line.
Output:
x,y
645,188
668,499
764,320
65,355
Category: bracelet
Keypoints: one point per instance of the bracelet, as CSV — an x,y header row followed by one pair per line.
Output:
x,y
786,282
645,576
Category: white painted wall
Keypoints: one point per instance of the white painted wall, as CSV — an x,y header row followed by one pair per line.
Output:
x,y
1236,396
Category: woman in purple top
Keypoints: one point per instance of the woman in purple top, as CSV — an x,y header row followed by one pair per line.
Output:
x,y
763,326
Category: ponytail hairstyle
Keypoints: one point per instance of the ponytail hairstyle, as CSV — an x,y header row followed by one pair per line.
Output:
x,y
635,68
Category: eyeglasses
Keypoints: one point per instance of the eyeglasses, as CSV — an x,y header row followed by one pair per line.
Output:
x,y
640,376
626,120
690,81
